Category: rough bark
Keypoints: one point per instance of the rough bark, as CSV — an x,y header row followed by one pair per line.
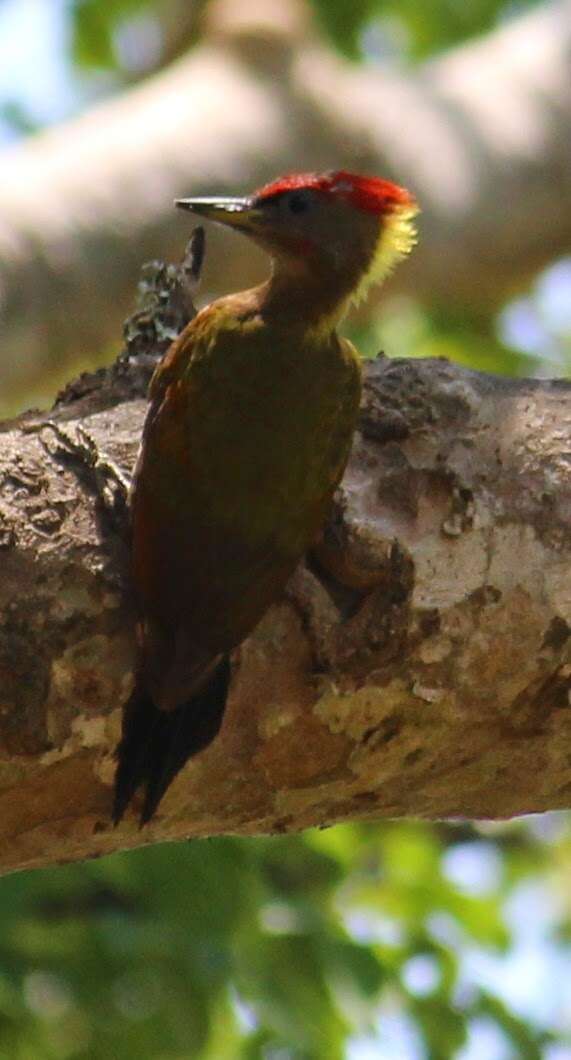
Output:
x,y
428,676
482,135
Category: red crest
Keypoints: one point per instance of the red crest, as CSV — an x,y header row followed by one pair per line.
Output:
x,y
366,193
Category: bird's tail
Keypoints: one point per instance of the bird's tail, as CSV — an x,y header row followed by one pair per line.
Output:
x,y
155,744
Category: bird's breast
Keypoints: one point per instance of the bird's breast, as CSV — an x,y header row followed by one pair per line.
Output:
x,y
267,425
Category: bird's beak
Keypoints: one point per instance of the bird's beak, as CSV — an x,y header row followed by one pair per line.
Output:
x,y
238,213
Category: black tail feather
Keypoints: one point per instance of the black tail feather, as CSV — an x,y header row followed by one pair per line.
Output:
x,y
155,744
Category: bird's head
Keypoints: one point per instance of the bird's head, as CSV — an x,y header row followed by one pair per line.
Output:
x,y
345,228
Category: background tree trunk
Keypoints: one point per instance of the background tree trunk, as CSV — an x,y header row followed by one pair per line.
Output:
x,y
428,676
482,135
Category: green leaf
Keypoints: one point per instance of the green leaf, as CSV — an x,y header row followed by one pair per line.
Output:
x,y
94,24
529,1044
298,1007
343,22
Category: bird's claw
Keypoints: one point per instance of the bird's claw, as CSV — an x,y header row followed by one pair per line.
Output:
x,y
110,483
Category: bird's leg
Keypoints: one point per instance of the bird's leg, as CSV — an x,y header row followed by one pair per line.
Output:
x,y
107,480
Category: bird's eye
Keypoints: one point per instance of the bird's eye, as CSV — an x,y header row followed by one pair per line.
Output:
x,y
298,202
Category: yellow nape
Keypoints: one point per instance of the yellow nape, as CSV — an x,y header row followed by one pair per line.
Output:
x,y
398,237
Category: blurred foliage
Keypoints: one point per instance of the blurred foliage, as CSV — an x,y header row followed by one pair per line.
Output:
x,y
539,324
530,337
357,28
16,115
403,328
295,947
95,24
417,29
131,37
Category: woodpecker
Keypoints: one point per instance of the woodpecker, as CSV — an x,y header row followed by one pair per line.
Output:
x,y
249,426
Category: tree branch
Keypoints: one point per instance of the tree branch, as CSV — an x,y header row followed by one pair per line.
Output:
x,y
481,135
419,665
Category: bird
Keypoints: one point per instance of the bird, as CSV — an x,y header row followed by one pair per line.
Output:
x,y
248,431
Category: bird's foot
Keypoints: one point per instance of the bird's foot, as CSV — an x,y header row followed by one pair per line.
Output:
x,y
108,481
